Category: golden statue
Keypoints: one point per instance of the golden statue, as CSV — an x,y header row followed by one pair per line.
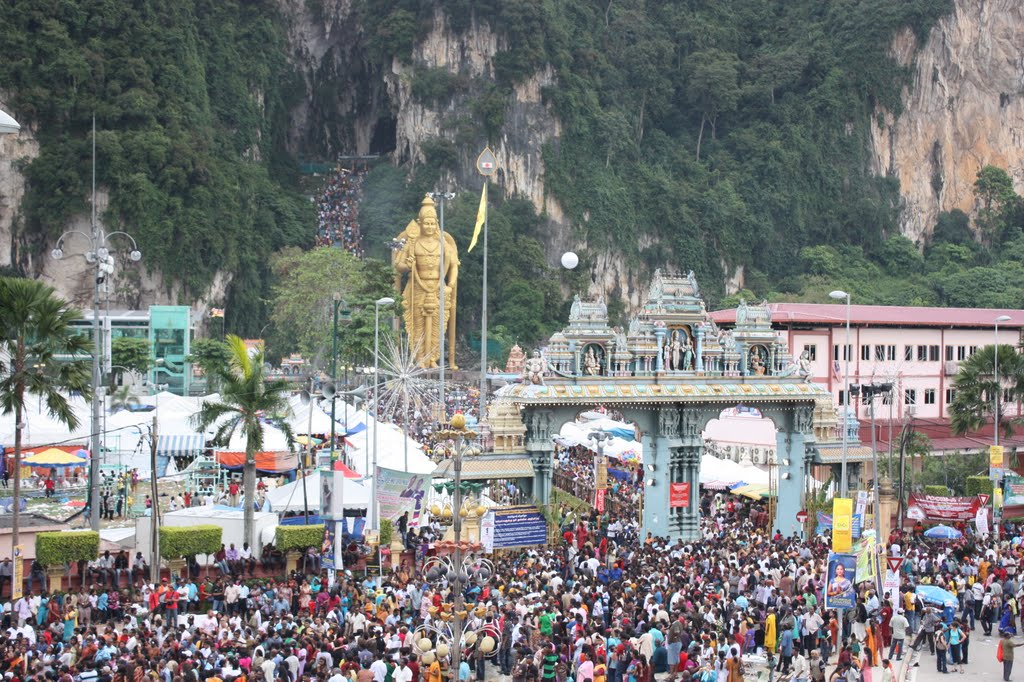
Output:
x,y
420,257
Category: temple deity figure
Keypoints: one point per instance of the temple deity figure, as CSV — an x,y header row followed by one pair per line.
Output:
x,y
419,261
687,352
757,365
591,366
533,370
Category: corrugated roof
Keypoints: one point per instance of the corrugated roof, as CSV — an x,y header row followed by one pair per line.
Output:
x,y
854,453
484,468
882,315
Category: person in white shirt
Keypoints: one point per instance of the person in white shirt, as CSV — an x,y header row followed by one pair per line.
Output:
x,y
379,669
401,674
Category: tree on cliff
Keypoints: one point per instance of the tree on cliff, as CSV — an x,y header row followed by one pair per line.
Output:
x,y
713,86
999,207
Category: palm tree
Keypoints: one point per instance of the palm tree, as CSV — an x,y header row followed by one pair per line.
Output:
x,y
976,389
34,333
123,399
247,399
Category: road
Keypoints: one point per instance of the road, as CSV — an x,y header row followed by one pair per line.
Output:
x,y
981,665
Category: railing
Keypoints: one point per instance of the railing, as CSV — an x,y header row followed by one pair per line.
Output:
x,y
616,506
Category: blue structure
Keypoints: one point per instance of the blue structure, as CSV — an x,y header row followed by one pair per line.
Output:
x,y
671,373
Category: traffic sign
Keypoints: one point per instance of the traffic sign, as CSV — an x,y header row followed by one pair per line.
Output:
x,y
801,516
486,163
983,499
894,563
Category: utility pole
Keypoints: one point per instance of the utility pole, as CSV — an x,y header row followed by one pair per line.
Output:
x,y
154,563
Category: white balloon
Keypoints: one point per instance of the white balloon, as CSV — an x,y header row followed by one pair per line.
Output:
x,y
570,260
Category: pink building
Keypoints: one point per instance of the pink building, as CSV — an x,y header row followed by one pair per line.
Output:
x,y
918,350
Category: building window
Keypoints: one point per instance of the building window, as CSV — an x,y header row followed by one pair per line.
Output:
x,y
933,353
949,353
842,397
922,353
1007,396
910,396
865,352
880,353
890,353
847,353
950,395
972,351
961,353
812,352
929,396
908,353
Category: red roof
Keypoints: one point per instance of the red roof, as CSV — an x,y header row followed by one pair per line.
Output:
x,y
828,314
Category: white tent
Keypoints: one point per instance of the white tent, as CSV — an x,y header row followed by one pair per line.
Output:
x,y
392,446
575,433
289,497
713,469
299,418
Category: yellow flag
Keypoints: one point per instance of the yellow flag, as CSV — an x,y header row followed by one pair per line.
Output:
x,y
481,215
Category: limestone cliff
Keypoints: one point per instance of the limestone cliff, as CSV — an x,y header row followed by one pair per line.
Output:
x,y
964,110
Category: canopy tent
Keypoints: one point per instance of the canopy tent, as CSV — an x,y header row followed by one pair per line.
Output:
x,y
310,418
267,462
723,473
392,445
626,448
289,497
52,458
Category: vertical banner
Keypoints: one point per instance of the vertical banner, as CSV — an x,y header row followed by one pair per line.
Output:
x,y
842,574
599,496
981,521
17,574
995,457
399,492
865,551
862,503
679,495
487,532
842,525
328,548
602,473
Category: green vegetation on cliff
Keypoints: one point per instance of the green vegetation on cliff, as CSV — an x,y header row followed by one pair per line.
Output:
x,y
191,101
706,135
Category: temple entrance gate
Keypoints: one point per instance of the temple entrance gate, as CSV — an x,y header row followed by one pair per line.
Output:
x,y
671,374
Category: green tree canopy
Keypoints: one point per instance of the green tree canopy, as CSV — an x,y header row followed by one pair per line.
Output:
x,y
131,353
35,340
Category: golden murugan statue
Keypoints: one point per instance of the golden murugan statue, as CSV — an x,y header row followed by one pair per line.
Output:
x,y
420,260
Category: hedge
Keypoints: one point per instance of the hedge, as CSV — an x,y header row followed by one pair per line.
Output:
x,y
188,541
387,531
299,537
57,549
979,485
939,490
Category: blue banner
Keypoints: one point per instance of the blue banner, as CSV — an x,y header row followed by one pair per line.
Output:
x,y
842,576
825,524
522,526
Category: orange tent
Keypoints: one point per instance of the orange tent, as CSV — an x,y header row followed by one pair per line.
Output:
x,y
275,462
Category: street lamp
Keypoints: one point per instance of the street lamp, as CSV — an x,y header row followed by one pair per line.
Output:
x,y
847,352
8,126
338,302
376,398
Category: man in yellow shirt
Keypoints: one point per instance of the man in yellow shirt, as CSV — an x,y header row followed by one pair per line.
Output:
x,y
910,606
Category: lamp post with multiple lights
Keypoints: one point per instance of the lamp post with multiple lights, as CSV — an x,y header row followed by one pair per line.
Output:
x,y
847,352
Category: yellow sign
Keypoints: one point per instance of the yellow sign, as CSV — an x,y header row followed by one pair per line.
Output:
x,y
842,525
995,457
602,473
18,574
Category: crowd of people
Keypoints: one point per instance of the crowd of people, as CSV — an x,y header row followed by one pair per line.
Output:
x,y
604,604
576,473
337,209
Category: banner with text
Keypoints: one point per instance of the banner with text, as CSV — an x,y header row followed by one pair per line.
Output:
x,y
521,526
679,495
842,524
399,492
936,508
329,547
842,573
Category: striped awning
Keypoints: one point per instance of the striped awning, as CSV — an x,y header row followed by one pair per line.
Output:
x,y
180,445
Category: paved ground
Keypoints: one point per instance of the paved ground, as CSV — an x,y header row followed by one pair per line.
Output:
x,y
982,664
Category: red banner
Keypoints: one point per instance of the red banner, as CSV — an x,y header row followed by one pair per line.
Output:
x,y
599,499
679,495
935,508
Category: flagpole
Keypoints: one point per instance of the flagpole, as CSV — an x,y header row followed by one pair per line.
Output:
x,y
486,165
482,410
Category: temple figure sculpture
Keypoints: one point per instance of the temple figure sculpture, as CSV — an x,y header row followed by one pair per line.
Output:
x,y
420,260
533,370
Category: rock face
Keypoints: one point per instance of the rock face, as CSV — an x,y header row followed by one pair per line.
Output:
x,y
964,110
15,151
